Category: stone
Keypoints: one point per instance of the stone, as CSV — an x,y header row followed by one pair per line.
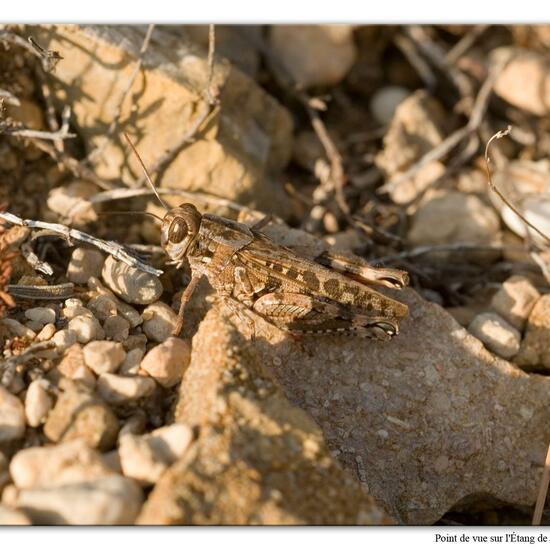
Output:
x,y
167,362
71,202
535,347
84,263
46,333
41,315
250,139
130,283
146,457
12,417
64,339
103,356
28,113
408,190
159,321
524,81
515,300
102,307
117,389
116,328
10,516
258,459
112,500
313,55
307,150
385,101
451,217
127,311
18,329
496,333
86,328
55,465
130,365
38,402
79,413
72,366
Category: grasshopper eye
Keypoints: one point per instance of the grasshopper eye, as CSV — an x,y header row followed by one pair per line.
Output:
x,y
177,231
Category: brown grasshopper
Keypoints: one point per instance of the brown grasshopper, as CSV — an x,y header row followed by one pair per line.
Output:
x,y
255,276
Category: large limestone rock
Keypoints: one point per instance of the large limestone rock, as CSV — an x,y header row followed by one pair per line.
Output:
x,y
249,139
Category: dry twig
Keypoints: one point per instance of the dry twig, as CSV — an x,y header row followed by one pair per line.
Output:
x,y
48,58
8,367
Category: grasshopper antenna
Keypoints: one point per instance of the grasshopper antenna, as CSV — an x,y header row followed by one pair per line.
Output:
x,y
130,212
147,175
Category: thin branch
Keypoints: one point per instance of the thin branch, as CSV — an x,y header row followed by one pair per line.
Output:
x,y
116,117
48,58
8,367
111,247
496,190
464,44
7,129
408,49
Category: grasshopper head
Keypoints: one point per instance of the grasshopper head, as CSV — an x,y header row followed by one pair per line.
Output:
x,y
179,231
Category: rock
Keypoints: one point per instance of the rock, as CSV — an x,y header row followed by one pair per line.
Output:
x,y
258,459
535,347
385,101
41,315
131,284
112,500
28,113
81,414
159,321
130,366
497,334
418,125
10,516
515,300
524,81
167,362
146,457
103,356
451,217
73,308
102,307
38,402
4,472
12,417
116,328
116,389
18,329
64,339
314,55
251,137
71,202
86,328
407,190
46,333
85,263
73,367
127,311
70,462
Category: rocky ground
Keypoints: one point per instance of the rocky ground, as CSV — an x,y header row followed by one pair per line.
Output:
x,y
365,140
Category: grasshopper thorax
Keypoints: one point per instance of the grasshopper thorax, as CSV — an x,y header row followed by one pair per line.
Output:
x,y
179,231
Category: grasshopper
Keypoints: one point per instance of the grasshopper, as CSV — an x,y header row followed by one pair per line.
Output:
x,y
253,275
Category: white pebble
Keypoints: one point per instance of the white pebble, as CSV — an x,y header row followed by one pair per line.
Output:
x,y
46,333
497,334
38,402
84,263
102,307
116,328
86,328
69,462
12,416
42,315
117,389
515,300
146,457
167,362
159,321
103,356
130,365
64,339
384,102
112,500
70,312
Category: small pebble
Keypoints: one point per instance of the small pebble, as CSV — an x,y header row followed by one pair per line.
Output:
x,y
131,284
69,462
535,347
46,333
84,263
64,338
38,402
130,365
103,356
167,362
146,457
384,102
86,328
72,311
496,333
515,300
126,310
18,329
116,328
12,416
71,202
117,389
102,307
10,516
159,321
112,500
41,315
